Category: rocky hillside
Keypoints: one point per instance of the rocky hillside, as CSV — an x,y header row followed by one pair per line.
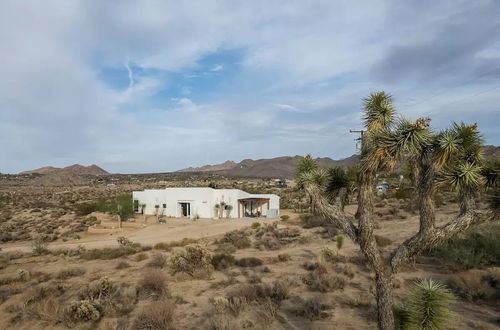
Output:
x,y
279,167
66,176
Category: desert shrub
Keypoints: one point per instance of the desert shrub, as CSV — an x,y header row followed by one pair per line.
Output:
x,y
226,248
249,262
238,238
39,247
153,283
21,275
107,253
141,257
339,241
347,270
255,225
125,242
41,292
122,265
285,217
266,311
472,285
312,221
222,261
405,193
70,272
168,246
194,260
476,249
312,308
271,238
324,282
236,304
221,322
156,316
84,310
283,257
97,290
276,292
427,307
382,241
158,260
315,265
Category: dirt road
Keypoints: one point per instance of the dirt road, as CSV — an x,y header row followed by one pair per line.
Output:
x,y
174,230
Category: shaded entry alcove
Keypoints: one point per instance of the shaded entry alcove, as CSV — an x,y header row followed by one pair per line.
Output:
x,y
185,209
252,207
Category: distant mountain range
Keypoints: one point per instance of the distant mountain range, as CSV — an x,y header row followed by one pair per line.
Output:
x,y
284,167
279,167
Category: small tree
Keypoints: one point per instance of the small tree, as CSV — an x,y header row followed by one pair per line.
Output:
x,y
222,207
217,210
340,242
228,208
452,157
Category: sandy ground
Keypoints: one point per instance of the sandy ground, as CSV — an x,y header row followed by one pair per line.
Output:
x,y
173,230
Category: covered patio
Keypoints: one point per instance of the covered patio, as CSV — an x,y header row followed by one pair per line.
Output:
x,y
252,207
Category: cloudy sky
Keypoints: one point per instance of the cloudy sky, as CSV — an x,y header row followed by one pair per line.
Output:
x,y
142,86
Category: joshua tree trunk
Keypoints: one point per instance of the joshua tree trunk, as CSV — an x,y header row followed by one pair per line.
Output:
x,y
368,245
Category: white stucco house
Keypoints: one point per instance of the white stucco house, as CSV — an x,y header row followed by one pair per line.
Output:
x,y
202,202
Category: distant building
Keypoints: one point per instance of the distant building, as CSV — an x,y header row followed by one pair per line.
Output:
x,y
205,203
382,188
280,183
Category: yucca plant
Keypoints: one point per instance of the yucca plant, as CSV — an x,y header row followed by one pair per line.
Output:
x,y
428,306
452,157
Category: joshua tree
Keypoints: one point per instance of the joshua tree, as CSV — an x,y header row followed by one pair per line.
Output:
x,y
452,157
228,208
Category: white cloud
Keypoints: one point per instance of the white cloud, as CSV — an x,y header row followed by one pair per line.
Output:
x,y
303,71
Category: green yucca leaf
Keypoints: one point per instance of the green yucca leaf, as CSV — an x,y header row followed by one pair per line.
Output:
x,y
428,307
378,111
318,177
464,177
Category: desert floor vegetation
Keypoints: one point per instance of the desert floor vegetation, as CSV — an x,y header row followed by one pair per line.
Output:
x,y
297,273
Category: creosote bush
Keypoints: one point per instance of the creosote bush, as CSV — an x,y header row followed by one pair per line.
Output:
x,y
238,238
312,308
222,261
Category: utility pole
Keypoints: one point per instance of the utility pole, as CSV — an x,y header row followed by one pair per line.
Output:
x,y
360,139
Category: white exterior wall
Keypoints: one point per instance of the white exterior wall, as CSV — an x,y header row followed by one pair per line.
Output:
x,y
202,200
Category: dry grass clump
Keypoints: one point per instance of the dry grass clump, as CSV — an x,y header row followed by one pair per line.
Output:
x,y
21,275
108,253
255,225
238,238
141,257
283,257
66,273
158,260
249,262
195,261
168,246
382,241
158,315
221,322
153,283
222,261
347,270
122,265
269,237
474,285
276,291
320,281
312,308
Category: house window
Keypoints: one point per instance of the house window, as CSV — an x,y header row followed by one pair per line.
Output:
x,y
164,206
